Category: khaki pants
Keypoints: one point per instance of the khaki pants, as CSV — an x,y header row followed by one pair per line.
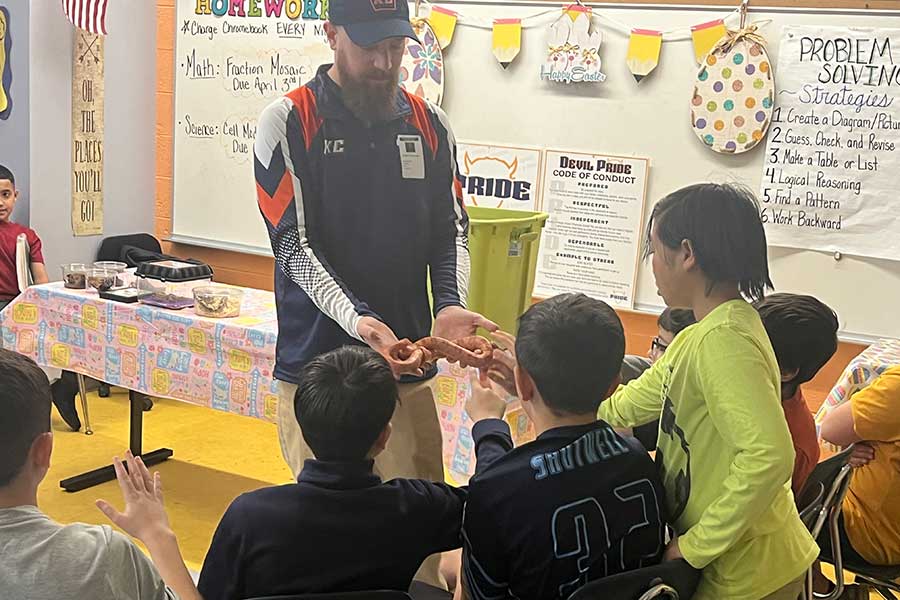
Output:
x,y
791,591
414,451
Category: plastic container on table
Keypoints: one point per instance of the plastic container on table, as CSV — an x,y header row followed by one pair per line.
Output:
x,y
119,268
171,283
503,246
75,276
101,280
218,302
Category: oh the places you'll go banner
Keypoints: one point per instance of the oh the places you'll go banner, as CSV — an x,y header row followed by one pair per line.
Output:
x,y
830,176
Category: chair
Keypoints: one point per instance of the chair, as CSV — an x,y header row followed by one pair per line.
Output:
x,y
820,505
819,492
882,579
367,595
675,580
834,475
113,248
25,280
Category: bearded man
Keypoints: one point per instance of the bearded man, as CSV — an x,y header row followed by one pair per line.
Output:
x,y
356,181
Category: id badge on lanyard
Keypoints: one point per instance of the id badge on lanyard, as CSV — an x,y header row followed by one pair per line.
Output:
x,y
412,158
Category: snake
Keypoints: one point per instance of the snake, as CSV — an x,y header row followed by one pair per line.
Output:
x,y
473,351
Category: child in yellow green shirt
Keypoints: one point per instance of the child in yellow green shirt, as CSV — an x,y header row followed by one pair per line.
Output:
x,y
724,451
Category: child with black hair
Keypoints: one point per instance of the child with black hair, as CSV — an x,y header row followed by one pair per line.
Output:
x,y
803,332
670,323
339,528
45,560
580,502
724,452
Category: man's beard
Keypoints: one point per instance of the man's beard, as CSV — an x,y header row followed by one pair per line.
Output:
x,y
370,100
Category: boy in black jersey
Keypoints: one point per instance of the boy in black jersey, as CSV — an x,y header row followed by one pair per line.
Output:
x,y
580,502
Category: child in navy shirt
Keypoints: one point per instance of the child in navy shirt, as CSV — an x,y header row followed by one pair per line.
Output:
x,y
339,528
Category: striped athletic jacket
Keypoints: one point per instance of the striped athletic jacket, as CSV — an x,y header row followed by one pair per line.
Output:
x,y
357,217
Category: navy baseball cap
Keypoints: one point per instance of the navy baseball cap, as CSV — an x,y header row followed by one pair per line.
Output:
x,y
368,22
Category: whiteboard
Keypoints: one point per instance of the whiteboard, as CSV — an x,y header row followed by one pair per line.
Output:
x,y
652,119
228,69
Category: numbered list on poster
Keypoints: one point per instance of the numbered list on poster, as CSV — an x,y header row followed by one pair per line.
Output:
x,y
833,153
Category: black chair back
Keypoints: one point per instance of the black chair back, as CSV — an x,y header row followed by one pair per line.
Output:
x,y
111,248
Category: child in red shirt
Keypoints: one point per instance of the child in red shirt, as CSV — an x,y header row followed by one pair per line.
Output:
x,y
65,388
803,332
9,233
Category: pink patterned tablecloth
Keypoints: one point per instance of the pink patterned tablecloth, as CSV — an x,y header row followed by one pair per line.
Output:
x,y
861,371
224,364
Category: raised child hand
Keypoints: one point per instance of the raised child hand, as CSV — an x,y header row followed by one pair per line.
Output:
x,y
502,370
145,515
484,402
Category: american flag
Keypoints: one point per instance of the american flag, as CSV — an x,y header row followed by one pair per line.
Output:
x,y
90,15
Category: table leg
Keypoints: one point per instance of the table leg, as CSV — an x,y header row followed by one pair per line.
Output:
x,y
82,393
135,443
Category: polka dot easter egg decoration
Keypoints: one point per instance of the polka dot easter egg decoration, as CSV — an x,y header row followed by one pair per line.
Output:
x,y
734,94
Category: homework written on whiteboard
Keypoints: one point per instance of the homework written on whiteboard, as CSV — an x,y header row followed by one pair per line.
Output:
x,y
229,67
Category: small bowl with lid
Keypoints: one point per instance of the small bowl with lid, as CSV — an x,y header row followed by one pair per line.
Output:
x,y
119,268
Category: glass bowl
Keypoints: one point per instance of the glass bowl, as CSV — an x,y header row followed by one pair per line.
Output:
x,y
75,276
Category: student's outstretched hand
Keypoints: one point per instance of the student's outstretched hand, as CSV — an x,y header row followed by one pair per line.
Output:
x,y
145,515
503,367
484,402
145,518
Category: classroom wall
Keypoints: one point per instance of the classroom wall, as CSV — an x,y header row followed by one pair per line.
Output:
x,y
14,130
257,271
130,108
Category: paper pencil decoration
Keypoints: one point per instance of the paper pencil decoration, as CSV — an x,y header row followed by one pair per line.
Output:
x,y
575,11
443,23
643,52
507,40
705,36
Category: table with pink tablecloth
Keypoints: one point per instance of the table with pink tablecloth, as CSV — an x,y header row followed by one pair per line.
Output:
x,y
861,371
224,364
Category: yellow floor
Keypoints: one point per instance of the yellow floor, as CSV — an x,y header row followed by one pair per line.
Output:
x,y
218,456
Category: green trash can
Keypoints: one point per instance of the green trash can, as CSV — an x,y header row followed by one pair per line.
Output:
x,y
503,245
